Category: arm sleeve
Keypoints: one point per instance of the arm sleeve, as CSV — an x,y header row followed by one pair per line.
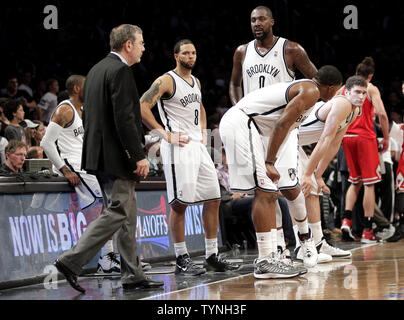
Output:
x,y
48,144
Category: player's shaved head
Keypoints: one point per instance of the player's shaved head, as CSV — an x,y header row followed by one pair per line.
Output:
x,y
269,12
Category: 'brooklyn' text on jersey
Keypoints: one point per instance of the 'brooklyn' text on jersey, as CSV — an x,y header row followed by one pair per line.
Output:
x,y
262,68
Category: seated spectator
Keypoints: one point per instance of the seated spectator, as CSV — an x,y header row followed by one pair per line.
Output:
x,y
3,144
38,132
16,152
49,100
15,114
26,83
3,119
29,128
35,152
11,91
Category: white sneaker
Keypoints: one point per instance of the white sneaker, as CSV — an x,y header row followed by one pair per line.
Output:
x,y
109,264
322,257
324,247
386,232
308,248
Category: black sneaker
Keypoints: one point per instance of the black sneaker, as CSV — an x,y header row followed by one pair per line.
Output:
x,y
396,236
218,264
185,266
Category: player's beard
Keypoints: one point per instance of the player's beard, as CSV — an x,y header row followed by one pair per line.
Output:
x,y
186,65
263,36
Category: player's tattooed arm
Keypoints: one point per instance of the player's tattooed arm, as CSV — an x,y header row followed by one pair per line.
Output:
x,y
152,95
162,86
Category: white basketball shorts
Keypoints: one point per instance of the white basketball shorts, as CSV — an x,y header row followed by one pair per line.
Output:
x,y
287,160
245,153
190,173
89,190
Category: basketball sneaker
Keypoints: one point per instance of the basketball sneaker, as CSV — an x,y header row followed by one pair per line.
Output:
x,y
322,257
346,228
369,236
324,247
185,266
271,267
285,257
219,264
146,266
308,249
109,264
386,232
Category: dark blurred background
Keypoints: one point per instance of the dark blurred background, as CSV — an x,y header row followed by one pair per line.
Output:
x,y
216,28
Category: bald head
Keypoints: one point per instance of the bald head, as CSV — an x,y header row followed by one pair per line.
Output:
x,y
263,8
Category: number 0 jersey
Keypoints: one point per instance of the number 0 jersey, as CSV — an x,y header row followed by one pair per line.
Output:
x,y
263,69
181,111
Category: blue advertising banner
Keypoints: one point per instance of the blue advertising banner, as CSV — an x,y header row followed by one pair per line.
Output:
x,y
36,228
153,234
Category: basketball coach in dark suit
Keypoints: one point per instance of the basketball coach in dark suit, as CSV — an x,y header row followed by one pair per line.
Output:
x,y
112,150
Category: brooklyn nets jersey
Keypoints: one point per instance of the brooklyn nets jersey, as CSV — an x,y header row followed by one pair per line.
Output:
x,y
263,69
265,106
311,129
181,111
70,141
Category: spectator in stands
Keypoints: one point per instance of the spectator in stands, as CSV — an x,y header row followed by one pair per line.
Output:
x,y
26,84
39,132
3,144
35,152
11,91
3,119
29,129
16,152
14,112
49,100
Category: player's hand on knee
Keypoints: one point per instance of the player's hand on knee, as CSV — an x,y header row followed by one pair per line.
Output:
x,y
322,186
307,185
142,168
272,173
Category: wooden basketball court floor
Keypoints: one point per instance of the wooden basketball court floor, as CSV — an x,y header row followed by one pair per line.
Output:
x,y
375,272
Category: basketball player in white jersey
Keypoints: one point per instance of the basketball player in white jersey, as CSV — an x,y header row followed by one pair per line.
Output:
x,y
326,126
272,112
267,59
63,144
190,173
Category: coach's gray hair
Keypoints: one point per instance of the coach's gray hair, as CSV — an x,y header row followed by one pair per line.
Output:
x,y
120,34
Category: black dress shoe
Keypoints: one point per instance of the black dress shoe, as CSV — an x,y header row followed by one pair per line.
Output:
x,y
144,284
69,275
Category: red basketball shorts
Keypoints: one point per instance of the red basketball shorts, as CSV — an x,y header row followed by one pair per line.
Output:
x,y
362,159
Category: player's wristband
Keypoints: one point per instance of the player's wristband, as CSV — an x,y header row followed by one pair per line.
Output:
x,y
271,163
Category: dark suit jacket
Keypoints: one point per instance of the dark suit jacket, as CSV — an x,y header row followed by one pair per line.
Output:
x,y
112,122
